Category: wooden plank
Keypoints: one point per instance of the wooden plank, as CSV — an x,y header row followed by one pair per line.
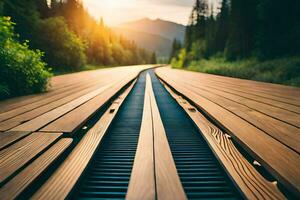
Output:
x,y
60,184
280,93
278,159
21,181
249,181
168,184
72,120
6,138
13,122
23,109
240,92
284,133
59,84
279,130
63,83
17,155
142,180
39,122
236,89
278,113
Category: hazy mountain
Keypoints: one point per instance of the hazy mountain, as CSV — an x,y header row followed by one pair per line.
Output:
x,y
155,35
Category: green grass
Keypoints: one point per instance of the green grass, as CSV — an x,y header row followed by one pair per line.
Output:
x,y
282,71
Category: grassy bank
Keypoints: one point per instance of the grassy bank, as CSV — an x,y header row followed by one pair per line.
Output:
x,y
282,71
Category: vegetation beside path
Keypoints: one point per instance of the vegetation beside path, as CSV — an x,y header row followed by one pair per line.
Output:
x,y
250,39
284,71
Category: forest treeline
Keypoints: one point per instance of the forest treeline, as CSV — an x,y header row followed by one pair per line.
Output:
x,y
56,35
254,39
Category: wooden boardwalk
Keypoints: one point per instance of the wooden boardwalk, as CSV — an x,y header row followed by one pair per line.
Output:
x,y
263,118
252,128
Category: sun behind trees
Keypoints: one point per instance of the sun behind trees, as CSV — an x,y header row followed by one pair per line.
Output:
x,y
68,37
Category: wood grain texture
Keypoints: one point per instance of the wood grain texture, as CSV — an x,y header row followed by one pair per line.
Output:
x,y
74,119
168,184
6,138
276,92
21,181
39,122
63,83
154,174
20,153
69,92
59,185
251,183
142,180
25,113
22,109
280,160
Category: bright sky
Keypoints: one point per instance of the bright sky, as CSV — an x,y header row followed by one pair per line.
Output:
x,y
115,12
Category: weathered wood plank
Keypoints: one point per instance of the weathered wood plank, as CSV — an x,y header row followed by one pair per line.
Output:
x,y
59,185
142,180
64,98
279,130
270,110
72,120
46,101
168,184
255,97
6,138
16,156
154,174
21,181
276,92
39,122
251,183
278,159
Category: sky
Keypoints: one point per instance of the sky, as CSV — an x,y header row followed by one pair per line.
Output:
x,y
115,12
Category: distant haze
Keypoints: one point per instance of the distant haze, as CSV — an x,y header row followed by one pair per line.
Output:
x,y
155,35
116,12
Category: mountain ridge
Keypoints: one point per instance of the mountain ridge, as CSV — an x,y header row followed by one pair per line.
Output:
x,y
155,35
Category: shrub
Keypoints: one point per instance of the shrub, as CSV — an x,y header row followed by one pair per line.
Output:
x,y
21,69
282,70
63,49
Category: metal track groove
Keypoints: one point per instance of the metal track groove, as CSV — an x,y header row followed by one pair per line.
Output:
x,y
201,175
107,177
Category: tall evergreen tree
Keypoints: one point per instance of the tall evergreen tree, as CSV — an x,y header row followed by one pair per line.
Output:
x,y
243,28
197,22
176,46
222,26
279,30
24,14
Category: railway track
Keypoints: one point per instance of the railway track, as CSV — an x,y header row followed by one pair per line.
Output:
x,y
140,133
108,175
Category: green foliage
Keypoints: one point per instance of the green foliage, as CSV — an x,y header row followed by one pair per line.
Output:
x,y
283,70
21,69
252,39
181,60
69,36
176,46
62,47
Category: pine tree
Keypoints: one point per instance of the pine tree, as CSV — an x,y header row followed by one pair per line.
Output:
x,y
176,46
153,58
242,29
222,26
